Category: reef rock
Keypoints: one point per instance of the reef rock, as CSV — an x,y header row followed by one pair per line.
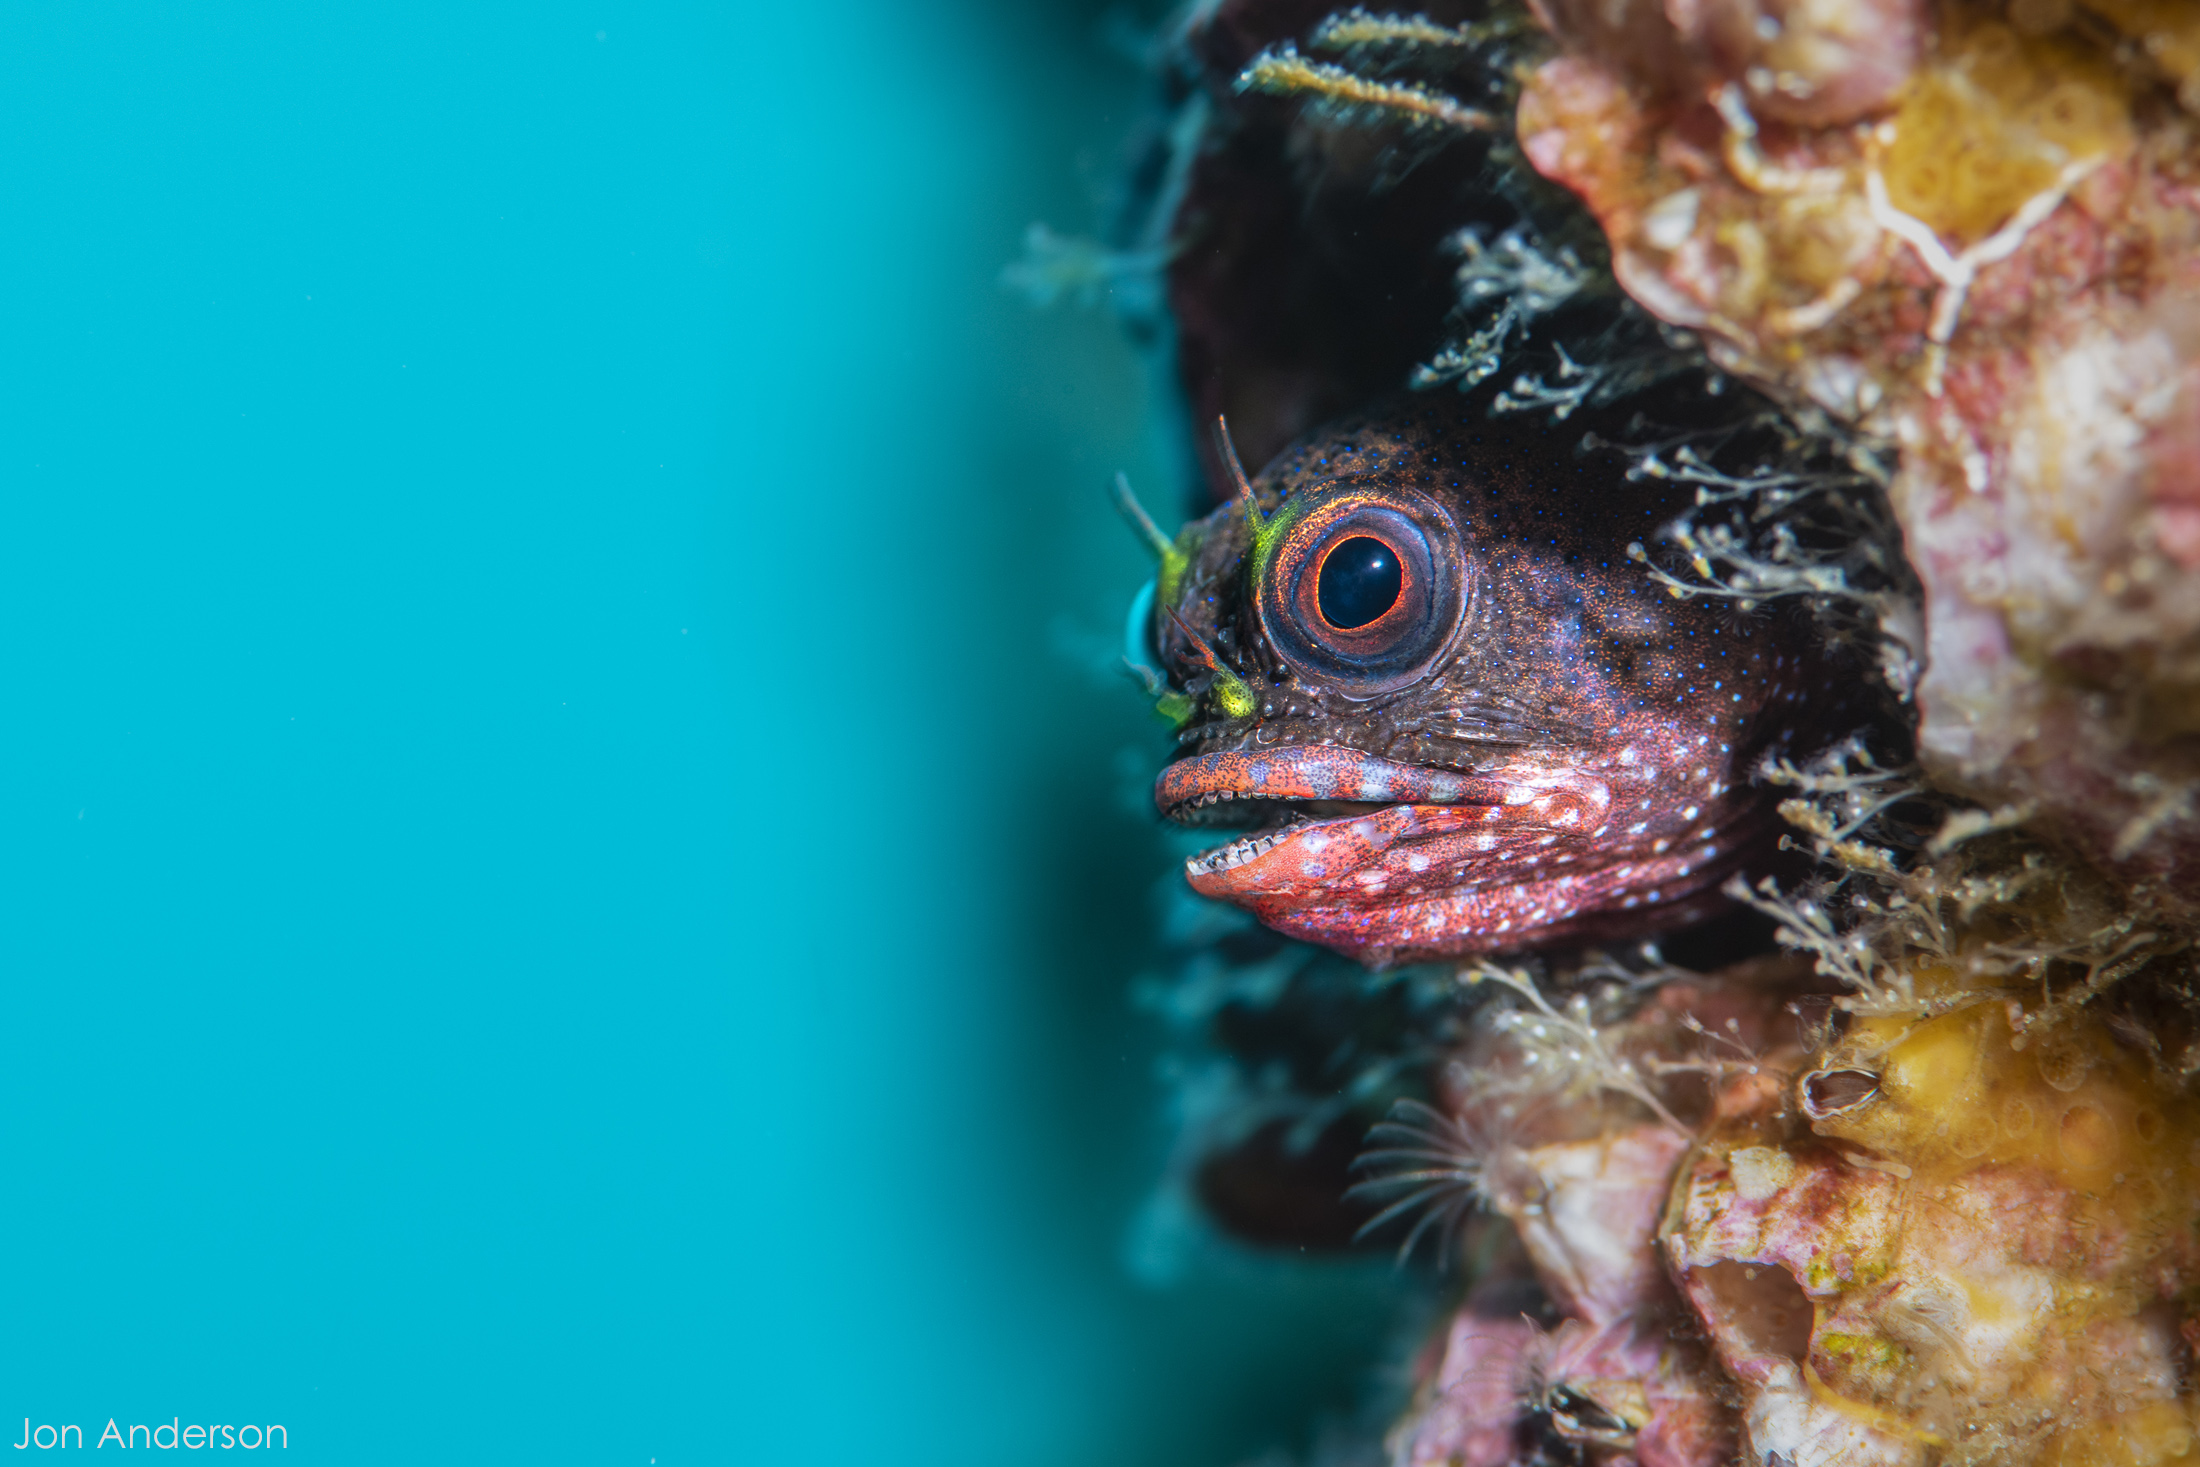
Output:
x,y
1925,1190
1933,1202
1970,231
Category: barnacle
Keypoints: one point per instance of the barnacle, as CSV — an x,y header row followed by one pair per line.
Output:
x,y
1975,1203
1428,1166
1961,1225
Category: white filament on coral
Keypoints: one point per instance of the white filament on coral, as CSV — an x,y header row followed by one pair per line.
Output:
x,y
1956,272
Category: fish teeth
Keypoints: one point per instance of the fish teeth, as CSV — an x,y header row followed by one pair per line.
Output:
x,y
1216,797
1235,854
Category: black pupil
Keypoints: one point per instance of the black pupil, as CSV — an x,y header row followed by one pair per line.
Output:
x,y
1360,581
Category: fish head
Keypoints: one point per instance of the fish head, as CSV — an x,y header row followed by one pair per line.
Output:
x,y
1448,709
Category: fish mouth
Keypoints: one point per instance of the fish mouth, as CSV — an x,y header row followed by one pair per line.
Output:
x,y
1333,823
1388,862
1324,782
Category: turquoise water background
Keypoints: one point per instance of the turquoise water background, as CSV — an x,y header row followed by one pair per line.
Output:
x,y
571,875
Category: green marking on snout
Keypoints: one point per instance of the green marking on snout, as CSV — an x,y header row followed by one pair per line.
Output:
x,y
1231,694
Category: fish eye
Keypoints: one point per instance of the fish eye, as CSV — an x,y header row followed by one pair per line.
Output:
x,y
1358,582
1361,586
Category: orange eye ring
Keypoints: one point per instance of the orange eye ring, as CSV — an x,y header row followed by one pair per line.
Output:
x,y
1359,538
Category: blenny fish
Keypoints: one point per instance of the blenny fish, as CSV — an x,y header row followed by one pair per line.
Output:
x,y
1420,669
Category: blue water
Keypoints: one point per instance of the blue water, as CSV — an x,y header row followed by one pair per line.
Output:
x,y
566,897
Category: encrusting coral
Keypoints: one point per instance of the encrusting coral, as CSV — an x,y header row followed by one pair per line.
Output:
x,y
1960,1224
1924,1188
1970,231
1929,1198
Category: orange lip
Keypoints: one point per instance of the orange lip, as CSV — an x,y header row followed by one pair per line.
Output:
x,y
1316,773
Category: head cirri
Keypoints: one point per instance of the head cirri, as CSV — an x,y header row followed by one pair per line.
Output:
x,y
1446,711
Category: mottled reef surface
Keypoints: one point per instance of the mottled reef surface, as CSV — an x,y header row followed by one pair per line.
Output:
x,y
1909,1172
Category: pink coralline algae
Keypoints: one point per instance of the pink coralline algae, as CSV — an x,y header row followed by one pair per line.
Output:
x,y
1622,1376
1960,1225
1970,233
1924,1189
1927,1201
1961,1232
1813,63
